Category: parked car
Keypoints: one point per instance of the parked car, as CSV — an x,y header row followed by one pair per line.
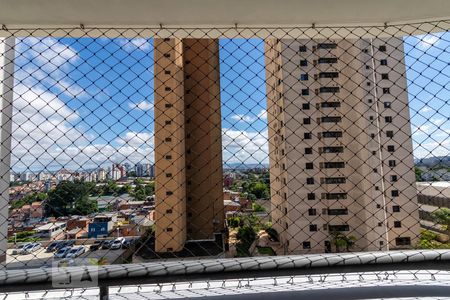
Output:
x,y
106,244
53,246
117,243
19,249
31,248
66,262
128,243
75,252
62,244
96,245
61,253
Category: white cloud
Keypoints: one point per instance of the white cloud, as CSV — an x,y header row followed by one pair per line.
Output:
x,y
143,105
133,44
426,109
427,40
244,146
262,115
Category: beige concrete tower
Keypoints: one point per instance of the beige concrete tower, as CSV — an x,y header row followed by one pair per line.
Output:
x,y
188,148
340,144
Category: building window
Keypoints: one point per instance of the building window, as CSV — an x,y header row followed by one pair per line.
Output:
x,y
397,224
394,193
306,121
331,149
337,212
388,119
311,196
326,46
403,241
368,83
309,166
168,139
378,206
383,62
302,48
328,74
329,89
169,193
332,165
327,60
304,77
386,91
305,106
166,54
385,76
371,118
334,196
330,104
305,92
303,63
333,180
344,227
330,119
390,134
167,89
310,180
390,148
306,245
382,48
380,224
395,208
312,212
168,105
394,178
392,163
312,227
369,101
372,135
375,170
308,150
168,157
168,122
168,175
331,134
374,152
169,229
307,135
167,72
387,104
168,211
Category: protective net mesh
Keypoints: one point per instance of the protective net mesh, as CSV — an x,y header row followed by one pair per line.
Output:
x,y
132,145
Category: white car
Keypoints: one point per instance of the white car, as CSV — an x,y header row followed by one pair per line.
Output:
x,y
75,252
61,253
19,249
30,248
117,243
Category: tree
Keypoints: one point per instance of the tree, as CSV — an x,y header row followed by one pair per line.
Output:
x,y
259,189
419,173
258,208
342,241
442,216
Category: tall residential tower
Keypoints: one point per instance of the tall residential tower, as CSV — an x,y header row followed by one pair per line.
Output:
x,y
341,156
188,145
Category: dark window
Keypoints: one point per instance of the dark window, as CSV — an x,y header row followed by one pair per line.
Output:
x,y
385,76
333,180
330,104
394,193
168,157
328,74
397,224
168,211
169,193
387,104
302,48
332,134
308,151
334,196
403,241
392,163
337,211
327,60
169,229
330,119
168,122
388,119
309,166
166,54
310,180
311,196
394,178
304,77
303,63
332,165
167,72
382,48
306,121
307,135
331,149
306,245
383,62
312,212
168,175
329,89
168,139
369,101
386,91
338,227
368,83
305,92
395,208
389,134
305,106
167,89
313,227
378,206
390,148
168,105
326,46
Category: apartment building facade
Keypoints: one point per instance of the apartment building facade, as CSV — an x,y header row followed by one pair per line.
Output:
x,y
188,166
340,144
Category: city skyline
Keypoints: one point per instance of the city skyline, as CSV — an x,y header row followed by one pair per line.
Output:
x,y
74,126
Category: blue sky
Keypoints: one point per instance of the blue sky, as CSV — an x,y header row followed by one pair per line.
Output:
x,y
82,103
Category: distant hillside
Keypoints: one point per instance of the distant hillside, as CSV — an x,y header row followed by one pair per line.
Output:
x,y
433,161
